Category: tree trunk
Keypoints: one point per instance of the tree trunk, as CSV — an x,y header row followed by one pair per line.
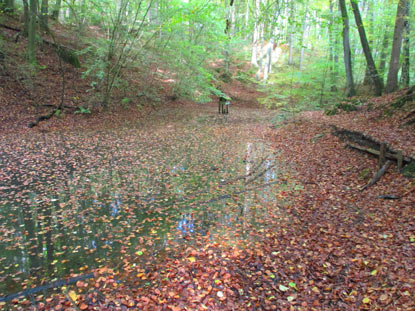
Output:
x,y
366,49
247,14
303,35
392,81
350,90
255,36
31,43
56,10
44,15
370,12
26,17
330,34
228,30
383,54
291,34
406,52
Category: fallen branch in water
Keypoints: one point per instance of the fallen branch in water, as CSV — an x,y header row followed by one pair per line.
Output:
x,y
59,283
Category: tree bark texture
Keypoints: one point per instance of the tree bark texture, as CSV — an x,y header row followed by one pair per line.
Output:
x,y
31,48
44,8
406,52
392,81
366,49
350,90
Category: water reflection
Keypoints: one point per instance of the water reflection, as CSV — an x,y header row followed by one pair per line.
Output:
x,y
53,227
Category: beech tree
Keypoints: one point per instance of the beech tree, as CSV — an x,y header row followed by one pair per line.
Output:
x,y
350,89
394,64
44,8
366,49
31,42
405,77
188,34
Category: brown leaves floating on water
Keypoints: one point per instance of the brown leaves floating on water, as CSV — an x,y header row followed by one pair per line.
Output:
x,y
163,219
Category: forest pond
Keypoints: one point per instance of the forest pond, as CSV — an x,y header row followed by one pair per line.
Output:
x,y
71,202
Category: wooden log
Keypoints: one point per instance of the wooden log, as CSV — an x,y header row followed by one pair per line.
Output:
x,y
378,175
388,155
382,155
399,156
10,27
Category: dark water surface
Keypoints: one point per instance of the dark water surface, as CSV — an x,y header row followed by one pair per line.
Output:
x,y
71,202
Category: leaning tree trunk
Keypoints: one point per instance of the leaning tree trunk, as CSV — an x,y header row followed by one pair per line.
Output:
x,y
350,90
366,49
392,82
368,79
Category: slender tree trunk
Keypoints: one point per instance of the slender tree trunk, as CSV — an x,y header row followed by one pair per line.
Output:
x,y
26,18
392,81
291,34
247,14
366,49
331,43
255,36
233,18
406,52
228,31
383,54
367,80
56,10
31,48
44,15
303,35
350,90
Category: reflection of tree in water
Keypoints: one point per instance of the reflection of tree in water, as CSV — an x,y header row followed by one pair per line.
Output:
x,y
186,224
85,220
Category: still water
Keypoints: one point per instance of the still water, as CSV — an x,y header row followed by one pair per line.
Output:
x,y
71,202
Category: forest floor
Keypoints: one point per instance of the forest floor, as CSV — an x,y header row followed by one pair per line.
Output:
x,y
335,248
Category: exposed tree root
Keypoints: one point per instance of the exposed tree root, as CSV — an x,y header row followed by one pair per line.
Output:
x,y
43,118
402,100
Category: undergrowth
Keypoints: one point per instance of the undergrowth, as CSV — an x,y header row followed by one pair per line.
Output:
x,y
298,90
